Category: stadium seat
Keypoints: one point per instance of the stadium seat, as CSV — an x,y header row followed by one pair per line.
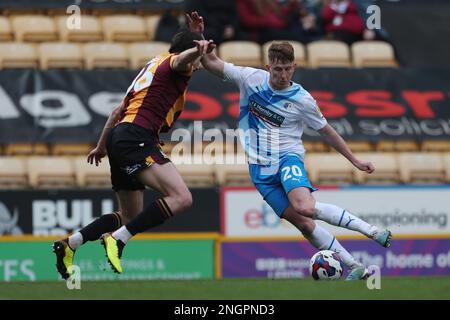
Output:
x,y
373,54
105,55
360,146
13,173
330,168
125,28
91,176
142,52
5,30
399,146
436,145
328,53
316,146
195,175
446,160
387,170
60,55
152,24
50,172
421,167
90,29
299,52
18,55
26,149
71,149
243,53
36,28
233,175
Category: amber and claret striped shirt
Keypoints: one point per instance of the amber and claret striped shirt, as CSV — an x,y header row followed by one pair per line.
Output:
x,y
157,95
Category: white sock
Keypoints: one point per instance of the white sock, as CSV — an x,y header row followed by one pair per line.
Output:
x,y
323,240
75,240
340,217
122,234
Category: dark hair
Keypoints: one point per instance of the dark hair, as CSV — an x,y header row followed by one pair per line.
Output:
x,y
282,52
184,40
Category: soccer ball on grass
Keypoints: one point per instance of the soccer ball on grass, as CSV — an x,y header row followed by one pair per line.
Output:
x,y
325,265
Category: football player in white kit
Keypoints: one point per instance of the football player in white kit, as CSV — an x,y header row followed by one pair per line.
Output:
x,y
273,111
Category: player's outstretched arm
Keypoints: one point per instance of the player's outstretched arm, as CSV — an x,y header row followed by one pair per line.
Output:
x,y
337,142
213,64
96,155
183,61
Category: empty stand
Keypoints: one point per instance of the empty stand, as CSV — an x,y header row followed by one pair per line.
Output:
x,y
71,149
125,28
436,145
360,146
60,55
421,167
90,29
13,173
331,168
91,176
446,163
244,53
195,175
50,172
328,53
105,55
399,146
36,28
26,149
299,52
142,52
373,54
387,170
18,55
5,29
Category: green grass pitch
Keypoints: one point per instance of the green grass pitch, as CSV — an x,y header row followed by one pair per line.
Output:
x,y
232,289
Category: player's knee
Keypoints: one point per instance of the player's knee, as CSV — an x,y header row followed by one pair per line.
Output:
x,y
305,209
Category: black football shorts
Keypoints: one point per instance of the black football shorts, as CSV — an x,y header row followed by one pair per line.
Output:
x,y
132,148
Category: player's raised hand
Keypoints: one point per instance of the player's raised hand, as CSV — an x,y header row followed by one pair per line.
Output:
x,y
364,166
96,155
205,46
195,22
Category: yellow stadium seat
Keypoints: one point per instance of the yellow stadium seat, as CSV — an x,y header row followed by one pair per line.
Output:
x,y
26,149
91,176
328,53
397,145
243,53
125,28
5,30
18,55
421,167
316,146
90,29
105,55
329,168
373,54
233,174
360,146
387,170
195,175
446,159
51,172
60,55
34,28
13,173
152,24
68,149
142,52
299,52
436,145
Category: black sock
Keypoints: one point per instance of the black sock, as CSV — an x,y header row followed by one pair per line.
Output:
x,y
106,223
154,215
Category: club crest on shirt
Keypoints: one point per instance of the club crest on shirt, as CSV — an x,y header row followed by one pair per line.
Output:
x,y
288,105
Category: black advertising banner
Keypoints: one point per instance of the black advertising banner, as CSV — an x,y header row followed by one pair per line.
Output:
x,y
57,212
369,104
93,4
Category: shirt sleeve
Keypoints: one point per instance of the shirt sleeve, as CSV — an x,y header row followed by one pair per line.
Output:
x,y
236,74
311,114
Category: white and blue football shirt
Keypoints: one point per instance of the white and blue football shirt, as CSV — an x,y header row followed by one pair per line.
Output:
x,y
271,121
